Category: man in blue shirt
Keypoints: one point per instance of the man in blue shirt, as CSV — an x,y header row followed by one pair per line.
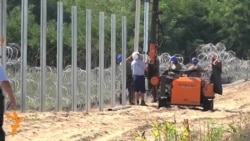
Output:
x,y
5,84
138,70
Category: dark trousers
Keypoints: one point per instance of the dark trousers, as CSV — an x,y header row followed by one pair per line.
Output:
x,y
2,133
129,86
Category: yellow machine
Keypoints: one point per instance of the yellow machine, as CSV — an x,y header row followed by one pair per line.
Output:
x,y
185,91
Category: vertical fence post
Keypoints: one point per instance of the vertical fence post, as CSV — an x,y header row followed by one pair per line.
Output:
x,y
88,58
2,38
137,25
24,37
146,12
43,32
145,45
101,60
124,54
113,56
3,32
59,54
74,59
248,66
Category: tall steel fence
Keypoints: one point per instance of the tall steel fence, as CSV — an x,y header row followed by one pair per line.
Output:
x,y
59,88
65,88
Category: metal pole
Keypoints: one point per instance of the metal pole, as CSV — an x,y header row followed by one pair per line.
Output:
x,y
146,13
43,32
88,58
74,58
137,25
124,52
113,56
145,45
59,54
248,62
3,32
24,37
101,59
3,20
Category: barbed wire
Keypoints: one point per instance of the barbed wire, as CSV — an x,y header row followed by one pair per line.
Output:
x,y
233,69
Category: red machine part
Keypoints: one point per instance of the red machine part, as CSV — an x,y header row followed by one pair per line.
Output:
x,y
152,52
155,80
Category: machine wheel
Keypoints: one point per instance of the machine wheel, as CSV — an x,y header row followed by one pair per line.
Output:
x,y
164,99
208,105
163,102
163,85
211,105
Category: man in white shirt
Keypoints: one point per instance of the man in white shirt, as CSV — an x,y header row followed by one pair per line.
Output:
x,y
138,70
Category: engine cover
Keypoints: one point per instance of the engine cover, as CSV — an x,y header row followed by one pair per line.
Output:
x,y
186,91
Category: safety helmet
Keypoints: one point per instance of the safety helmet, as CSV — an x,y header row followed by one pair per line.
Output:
x,y
119,58
195,60
173,58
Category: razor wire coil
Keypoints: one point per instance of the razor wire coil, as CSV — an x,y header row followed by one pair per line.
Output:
x,y
233,69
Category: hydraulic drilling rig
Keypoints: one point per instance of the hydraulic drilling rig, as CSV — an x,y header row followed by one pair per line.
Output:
x,y
153,67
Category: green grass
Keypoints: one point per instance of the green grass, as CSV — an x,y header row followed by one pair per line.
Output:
x,y
208,130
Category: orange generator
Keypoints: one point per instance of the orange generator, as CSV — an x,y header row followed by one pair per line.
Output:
x,y
185,91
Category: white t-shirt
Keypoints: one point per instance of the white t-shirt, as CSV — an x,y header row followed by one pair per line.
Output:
x,y
3,76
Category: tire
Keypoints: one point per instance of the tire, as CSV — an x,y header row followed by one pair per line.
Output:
x,y
163,102
208,105
162,85
205,104
160,102
211,105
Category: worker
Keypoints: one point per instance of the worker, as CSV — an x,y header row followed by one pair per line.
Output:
x,y
195,69
174,64
138,70
153,68
129,78
5,85
216,74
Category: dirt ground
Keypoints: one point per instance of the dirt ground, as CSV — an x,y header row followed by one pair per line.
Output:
x,y
119,125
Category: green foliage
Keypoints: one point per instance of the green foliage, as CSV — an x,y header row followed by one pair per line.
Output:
x,y
36,116
121,8
214,131
183,26
167,131
186,22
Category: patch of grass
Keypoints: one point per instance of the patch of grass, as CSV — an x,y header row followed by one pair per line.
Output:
x,y
243,135
36,116
211,130
239,129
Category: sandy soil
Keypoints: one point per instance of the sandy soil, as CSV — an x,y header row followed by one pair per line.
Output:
x,y
118,125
